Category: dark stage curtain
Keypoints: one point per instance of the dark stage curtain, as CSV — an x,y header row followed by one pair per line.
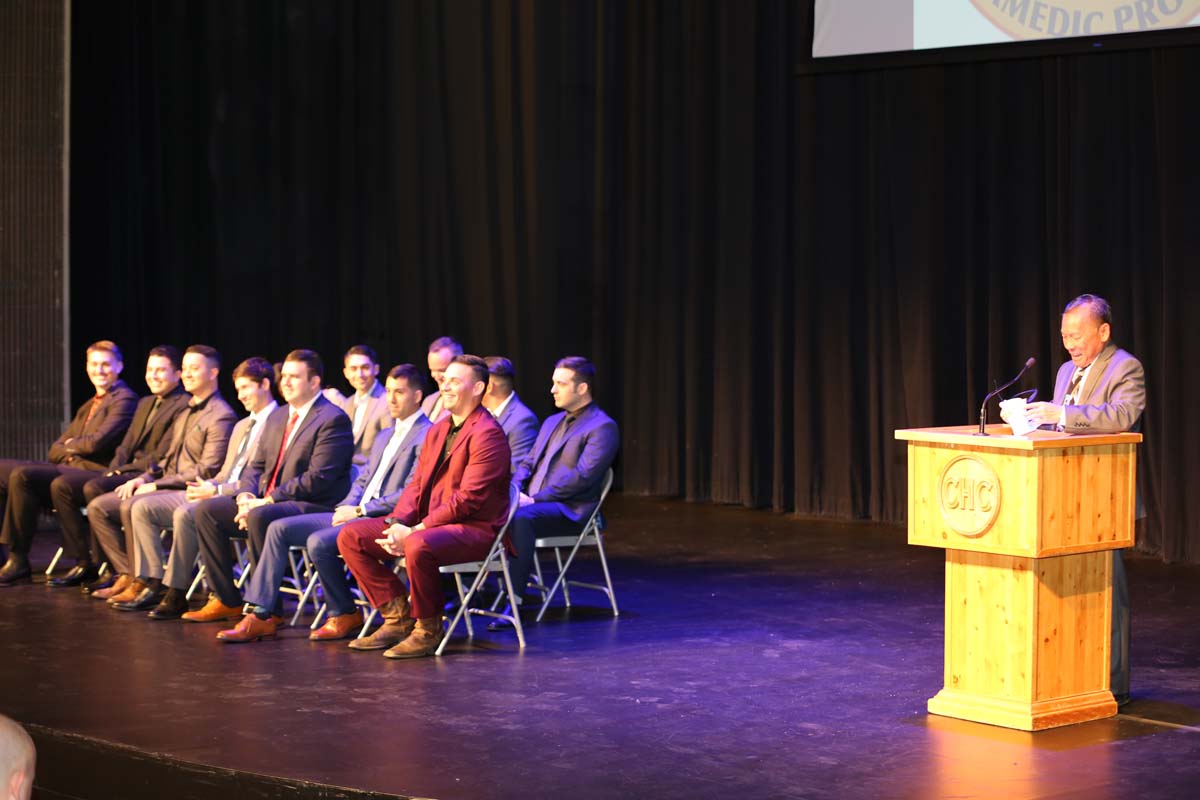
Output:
x,y
772,272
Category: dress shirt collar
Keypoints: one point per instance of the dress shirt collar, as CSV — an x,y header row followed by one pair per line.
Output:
x,y
403,426
264,412
498,410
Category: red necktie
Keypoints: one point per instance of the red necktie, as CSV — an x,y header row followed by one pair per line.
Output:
x,y
282,449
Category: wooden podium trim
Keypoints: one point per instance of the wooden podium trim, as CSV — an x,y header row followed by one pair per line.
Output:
x,y
1001,438
1023,716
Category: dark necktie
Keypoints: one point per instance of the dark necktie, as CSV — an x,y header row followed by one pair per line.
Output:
x,y
150,416
543,467
1073,388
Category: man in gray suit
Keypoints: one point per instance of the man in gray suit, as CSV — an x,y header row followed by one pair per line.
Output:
x,y
561,478
519,423
175,509
1102,389
198,441
441,352
374,494
367,407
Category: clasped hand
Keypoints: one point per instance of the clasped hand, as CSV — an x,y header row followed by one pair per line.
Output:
x,y
246,503
393,538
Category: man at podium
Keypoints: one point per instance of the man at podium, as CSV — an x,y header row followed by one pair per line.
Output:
x,y
1102,389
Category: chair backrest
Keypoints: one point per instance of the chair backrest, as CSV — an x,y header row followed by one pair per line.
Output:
x,y
608,482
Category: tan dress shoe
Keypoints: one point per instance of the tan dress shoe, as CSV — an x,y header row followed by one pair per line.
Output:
x,y
250,629
119,585
423,641
128,594
338,627
214,611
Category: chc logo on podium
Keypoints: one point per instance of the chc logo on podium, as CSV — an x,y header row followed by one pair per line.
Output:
x,y
969,494
1039,19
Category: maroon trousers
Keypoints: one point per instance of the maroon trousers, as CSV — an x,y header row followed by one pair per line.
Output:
x,y
424,552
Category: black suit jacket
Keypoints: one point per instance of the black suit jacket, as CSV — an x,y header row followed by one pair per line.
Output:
x,y
316,466
144,444
93,445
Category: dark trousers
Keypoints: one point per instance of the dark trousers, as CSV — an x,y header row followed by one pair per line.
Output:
x,y
215,527
30,488
70,493
1119,674
532,522
7,465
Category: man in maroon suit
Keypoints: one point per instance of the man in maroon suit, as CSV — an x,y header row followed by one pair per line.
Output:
x,y
450,512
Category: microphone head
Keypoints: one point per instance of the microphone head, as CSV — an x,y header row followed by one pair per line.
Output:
x,y
1030,362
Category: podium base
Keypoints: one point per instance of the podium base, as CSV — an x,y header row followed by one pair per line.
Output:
x,y
1024,716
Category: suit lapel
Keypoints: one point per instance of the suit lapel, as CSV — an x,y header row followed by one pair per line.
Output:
x,y
571,432
1099,367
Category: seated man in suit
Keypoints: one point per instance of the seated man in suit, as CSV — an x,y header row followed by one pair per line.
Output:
x,y
375,492
1102,389
196,451
561,478
87,446
441,352
176,509
367,408
71,490
519,423
450,512
302,466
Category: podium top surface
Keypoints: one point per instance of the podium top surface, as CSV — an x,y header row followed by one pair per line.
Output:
x,y
1000,437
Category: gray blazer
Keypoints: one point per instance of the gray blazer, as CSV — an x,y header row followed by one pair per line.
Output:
x,y
377,419
1112,398
240,431
521,427
399,472
199,440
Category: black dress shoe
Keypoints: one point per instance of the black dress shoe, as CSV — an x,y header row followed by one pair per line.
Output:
x,y
103,582
15,570
147,599
173,605
77,576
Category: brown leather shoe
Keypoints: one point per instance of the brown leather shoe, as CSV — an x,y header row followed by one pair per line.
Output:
x,y
119,585
423,641
396,627
128,594
214,611
250,629
338,627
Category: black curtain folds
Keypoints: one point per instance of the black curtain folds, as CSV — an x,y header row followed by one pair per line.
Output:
x,y
772,272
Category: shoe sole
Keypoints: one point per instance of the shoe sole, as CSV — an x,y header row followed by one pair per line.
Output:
x,y
264,637
419,654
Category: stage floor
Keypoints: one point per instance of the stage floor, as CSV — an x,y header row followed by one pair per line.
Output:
x,y
756,655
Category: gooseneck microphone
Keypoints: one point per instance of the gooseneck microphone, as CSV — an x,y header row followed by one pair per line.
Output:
x,y
983,408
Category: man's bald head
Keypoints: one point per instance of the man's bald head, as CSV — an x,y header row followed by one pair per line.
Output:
x,y
17,761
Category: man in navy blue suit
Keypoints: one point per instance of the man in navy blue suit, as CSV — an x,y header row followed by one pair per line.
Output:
x,y
561,478
374,494
301,466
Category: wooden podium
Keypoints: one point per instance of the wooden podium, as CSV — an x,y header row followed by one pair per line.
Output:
x,y
1027,523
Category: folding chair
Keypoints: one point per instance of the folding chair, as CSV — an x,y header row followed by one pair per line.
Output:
x,y
304,579
496,561
58,554
590,536
242,566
